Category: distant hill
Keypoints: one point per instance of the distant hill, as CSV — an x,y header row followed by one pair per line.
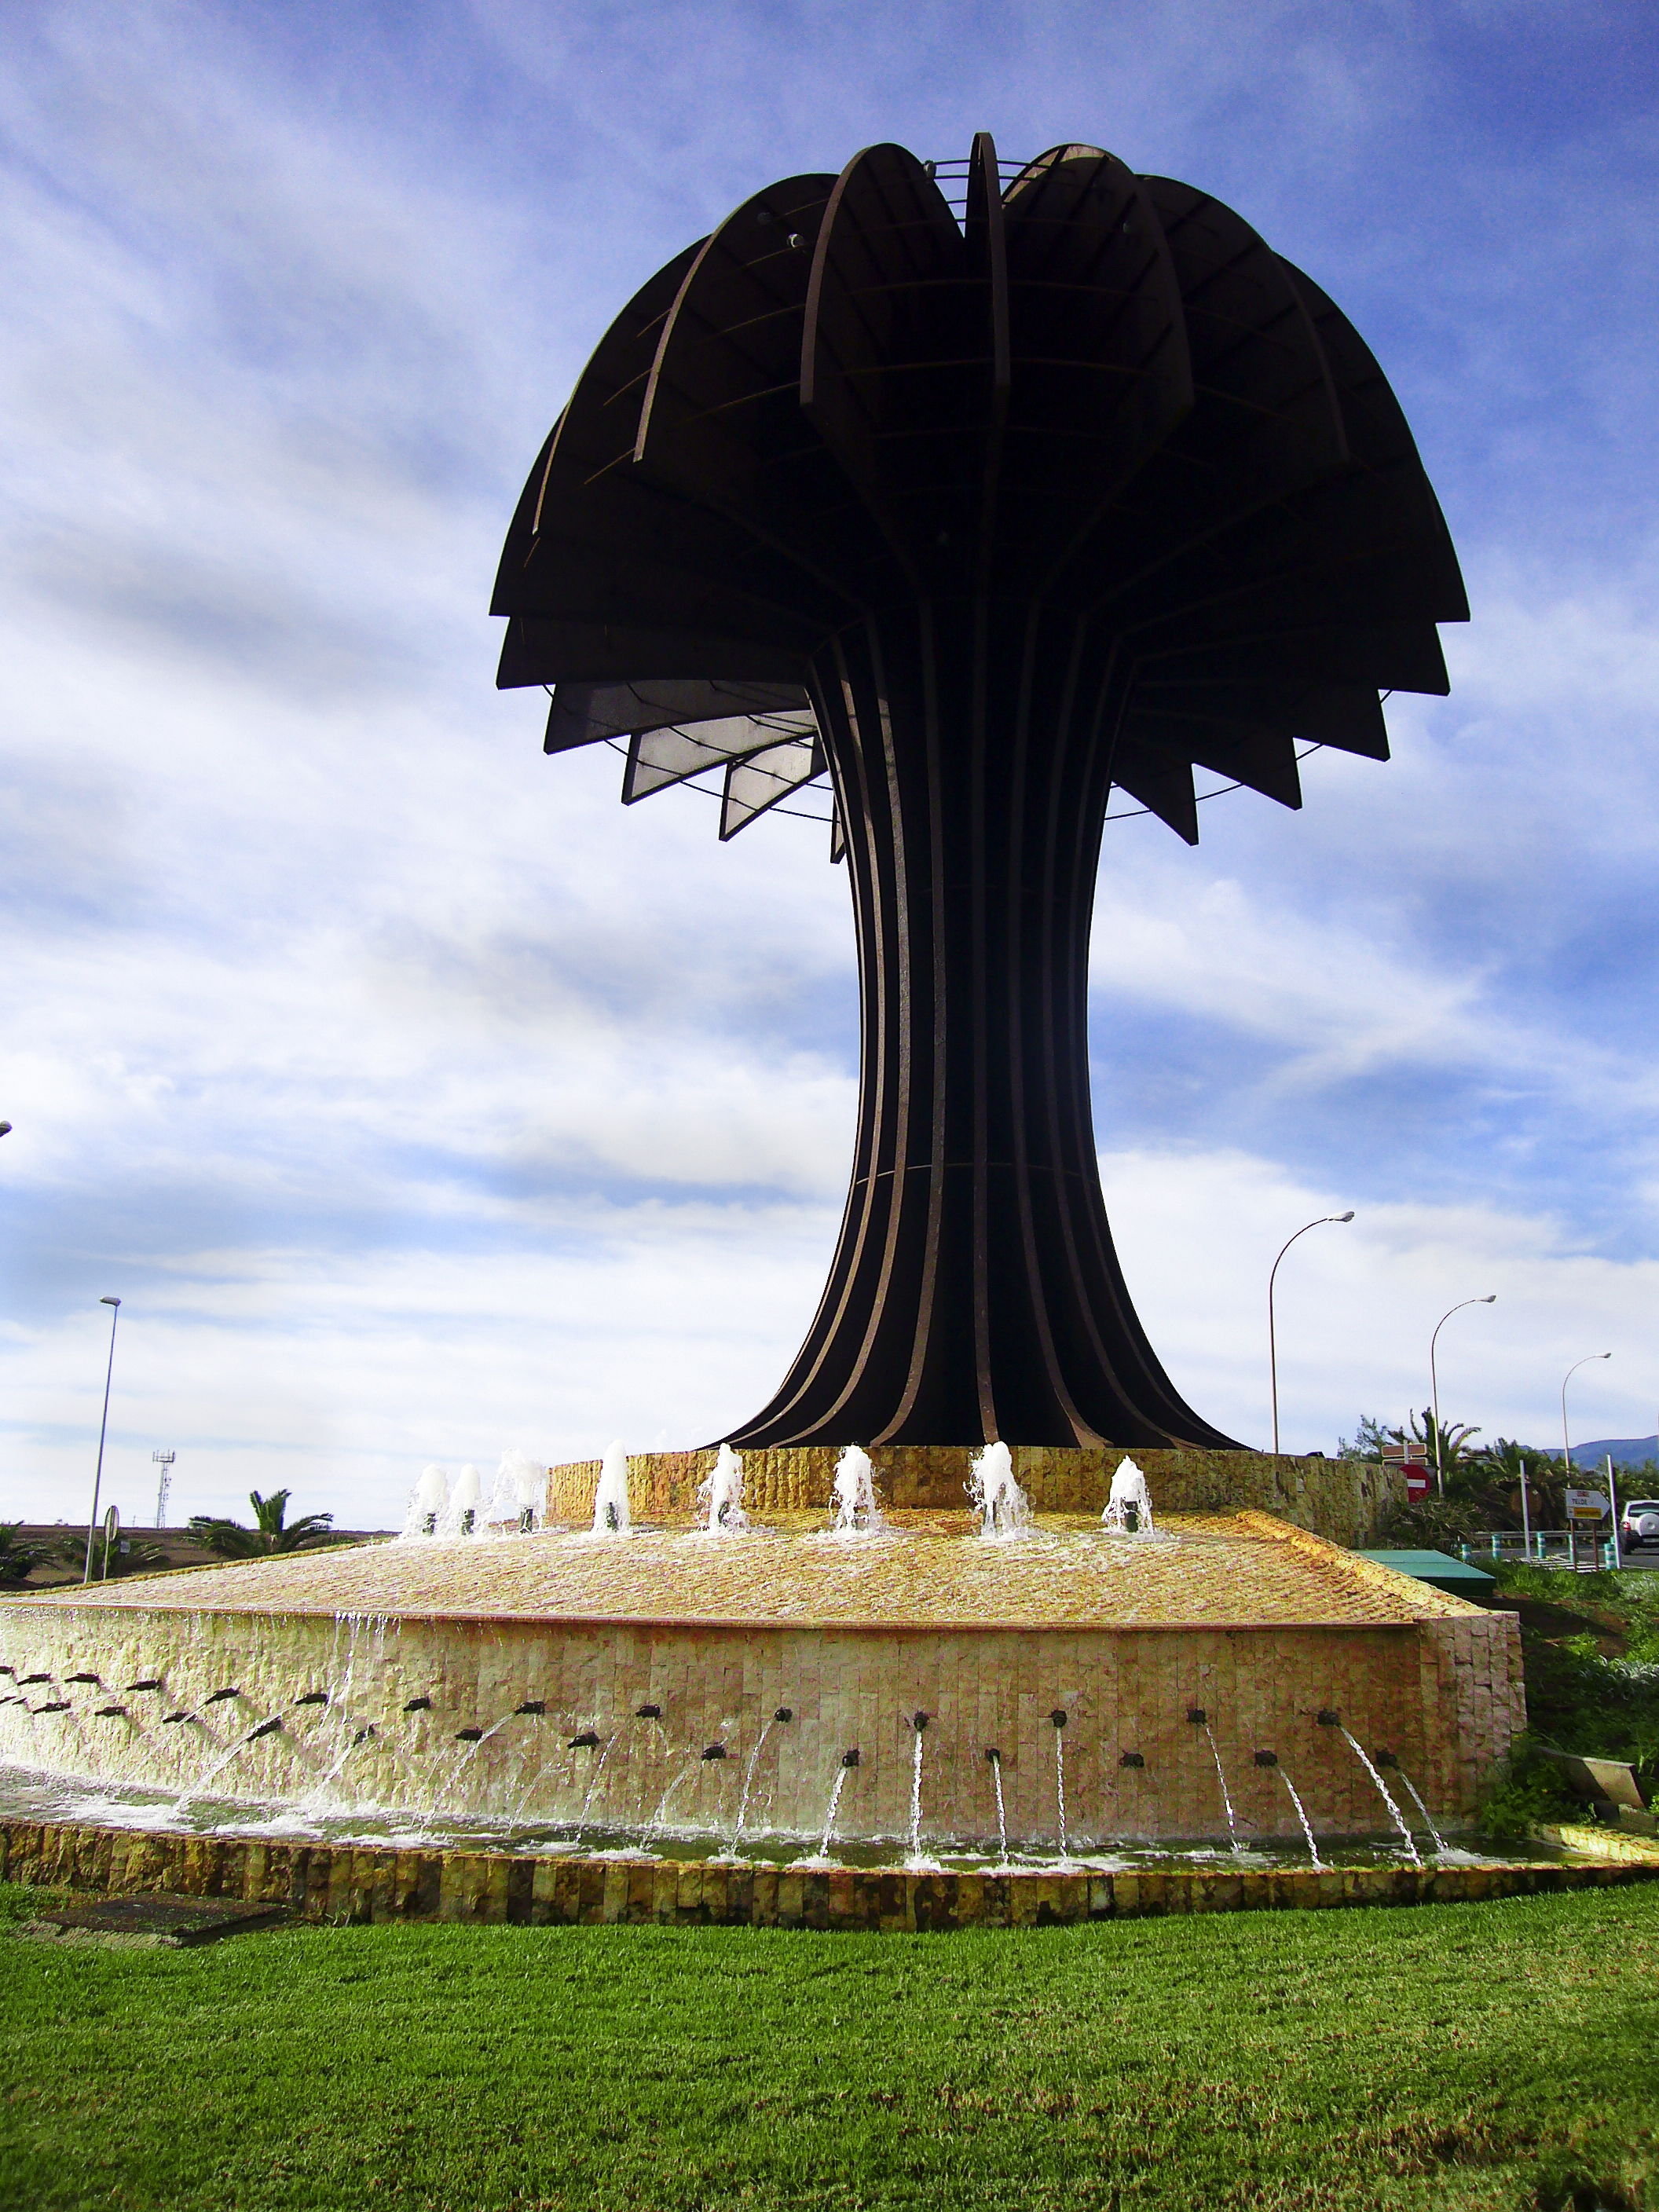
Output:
x,y
1626,1451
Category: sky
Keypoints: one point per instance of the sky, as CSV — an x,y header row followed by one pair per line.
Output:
x,y
418,1101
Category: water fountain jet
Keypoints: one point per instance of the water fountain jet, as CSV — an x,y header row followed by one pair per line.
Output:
x,y
1003,1508
852,1492
721,1496
610,1511
1128,1506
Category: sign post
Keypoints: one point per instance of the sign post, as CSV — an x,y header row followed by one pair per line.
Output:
x,y
1613,1500
1414,1458
1586,1509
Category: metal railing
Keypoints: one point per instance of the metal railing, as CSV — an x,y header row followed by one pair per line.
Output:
x,y
1585,1549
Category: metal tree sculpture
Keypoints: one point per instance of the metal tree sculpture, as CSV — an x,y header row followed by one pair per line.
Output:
x,y
980,517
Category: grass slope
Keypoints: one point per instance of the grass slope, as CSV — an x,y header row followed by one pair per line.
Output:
x,y
1484,2056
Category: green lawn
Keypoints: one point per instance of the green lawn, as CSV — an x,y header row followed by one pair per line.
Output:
x,y
1500,2055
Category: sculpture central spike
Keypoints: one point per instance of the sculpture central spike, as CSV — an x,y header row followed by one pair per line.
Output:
x,y
978,519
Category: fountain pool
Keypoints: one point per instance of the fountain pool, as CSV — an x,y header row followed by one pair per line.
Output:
x,y
566,1683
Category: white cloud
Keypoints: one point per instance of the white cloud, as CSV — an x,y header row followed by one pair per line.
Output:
x,y
418,1100
1357,1304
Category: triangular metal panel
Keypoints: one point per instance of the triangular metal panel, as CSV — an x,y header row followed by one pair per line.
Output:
x,y
756,785
656,759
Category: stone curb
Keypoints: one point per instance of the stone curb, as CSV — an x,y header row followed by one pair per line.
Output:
x,y
1593,1842
351,1883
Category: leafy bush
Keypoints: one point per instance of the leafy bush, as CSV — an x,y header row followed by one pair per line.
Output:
x,y
17,1557
1530,1788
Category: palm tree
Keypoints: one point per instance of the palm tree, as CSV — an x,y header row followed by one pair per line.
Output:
x,y
1501,1464
272,1531
1449,1447
16,1558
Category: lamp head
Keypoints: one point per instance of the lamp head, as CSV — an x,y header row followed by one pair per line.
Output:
x,y
1348,1216
1492,1301
5,1128
109,1302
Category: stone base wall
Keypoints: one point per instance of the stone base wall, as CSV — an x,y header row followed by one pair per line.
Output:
x,y
1342,1499
355,1885
1443,1693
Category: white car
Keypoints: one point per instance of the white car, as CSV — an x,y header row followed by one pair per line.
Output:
x,y
1639,1523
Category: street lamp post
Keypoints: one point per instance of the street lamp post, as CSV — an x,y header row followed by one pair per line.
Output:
x,y
1566,1447
1434,1385
114,1305
1272,1341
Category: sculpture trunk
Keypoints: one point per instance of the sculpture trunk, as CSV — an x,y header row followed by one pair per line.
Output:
x,y
974,1292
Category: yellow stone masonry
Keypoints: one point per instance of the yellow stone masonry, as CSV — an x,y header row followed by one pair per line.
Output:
x,y
491,1678
344,1883
1343,1499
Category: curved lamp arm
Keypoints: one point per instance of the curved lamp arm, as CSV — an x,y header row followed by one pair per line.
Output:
x,y
1434,1382
1566,1449
1273,1344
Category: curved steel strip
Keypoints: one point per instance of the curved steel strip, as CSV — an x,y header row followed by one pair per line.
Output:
x,y
1381,443
543,649
1103,368
894,357
595,545
720,423
1381,656
985,235
1265,421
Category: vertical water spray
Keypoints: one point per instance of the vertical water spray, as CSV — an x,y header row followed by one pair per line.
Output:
x,y
1003,1508
460,1516
1057,1717
1199,1718
993,1756
857,1510
354,1737
782,1716
849,1759
594,1781
472,1742
611,1515
1271,1759
521,1492
1387,1758
919,1723
1333,1721
427,1503
687,1761
721,1495
1129,1505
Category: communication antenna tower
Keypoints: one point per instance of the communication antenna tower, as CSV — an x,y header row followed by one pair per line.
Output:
x,y
163,1460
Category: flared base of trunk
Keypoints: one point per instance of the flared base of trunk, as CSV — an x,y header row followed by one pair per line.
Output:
x,y
974,1292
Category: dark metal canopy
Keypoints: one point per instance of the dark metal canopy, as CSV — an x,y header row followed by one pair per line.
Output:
x,y
979,515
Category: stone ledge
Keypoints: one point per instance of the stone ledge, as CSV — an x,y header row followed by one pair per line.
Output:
x,y
1596,1841
1343,1500
359,1883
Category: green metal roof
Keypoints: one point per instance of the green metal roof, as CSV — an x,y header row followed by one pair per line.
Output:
x,y
1439,1569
